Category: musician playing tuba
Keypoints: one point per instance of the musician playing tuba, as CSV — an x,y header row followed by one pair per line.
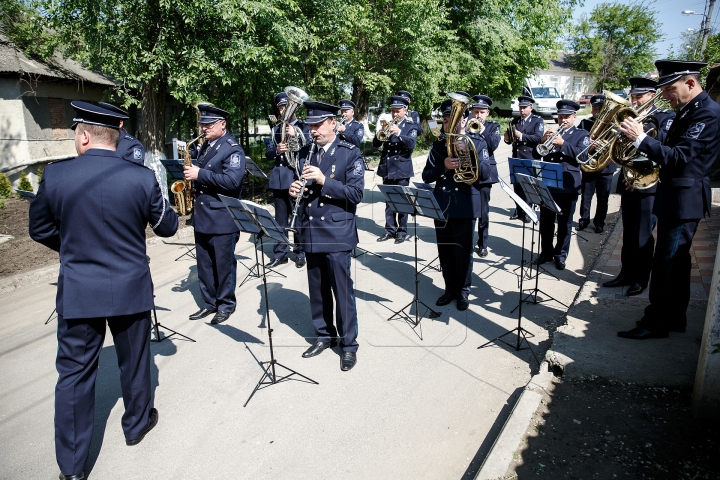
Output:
x,y
282,175
396,167
461,202
564,149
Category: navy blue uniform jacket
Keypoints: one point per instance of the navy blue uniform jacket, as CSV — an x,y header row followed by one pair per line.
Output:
x,y
532,131
93,209
456,200
130,148
354,133
396,160
587,124
282,175
221,173
492,136
327,223
685,160
576,140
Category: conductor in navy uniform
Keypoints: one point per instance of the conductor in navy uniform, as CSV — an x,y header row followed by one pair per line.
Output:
x,y
335,182
528,129
683,194
353,131
411,113
396,166
129,147
595,182
491,134
566,147
99,231
461,204
219,171
282,176
636,205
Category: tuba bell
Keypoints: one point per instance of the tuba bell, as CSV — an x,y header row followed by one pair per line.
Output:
x,y
469,169
603,132
296,97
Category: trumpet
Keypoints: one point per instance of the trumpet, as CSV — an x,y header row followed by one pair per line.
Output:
x,y
475,126
384,133
546,147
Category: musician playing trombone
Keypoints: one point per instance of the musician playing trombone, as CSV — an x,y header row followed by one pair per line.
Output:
x,y
396,166
282,175
564,149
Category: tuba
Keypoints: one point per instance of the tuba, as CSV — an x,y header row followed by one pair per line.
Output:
x,y
183,189
603,132
469,169
296,97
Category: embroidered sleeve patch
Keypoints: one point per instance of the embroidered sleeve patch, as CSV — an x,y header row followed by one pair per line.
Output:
x,y
486,157
694,130
137,154
359,168
586,141
235,161
542,127
668,124
413,133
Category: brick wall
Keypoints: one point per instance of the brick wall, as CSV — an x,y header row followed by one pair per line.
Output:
x,y
57,118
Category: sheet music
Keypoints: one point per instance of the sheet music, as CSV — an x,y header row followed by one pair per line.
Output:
x,y
519,201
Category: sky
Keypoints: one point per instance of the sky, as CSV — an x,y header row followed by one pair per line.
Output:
x,y
668,14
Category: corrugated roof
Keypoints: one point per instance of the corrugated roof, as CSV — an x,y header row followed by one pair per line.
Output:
x,y
13,60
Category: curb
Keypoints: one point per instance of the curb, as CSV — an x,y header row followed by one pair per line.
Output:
x,y
500,457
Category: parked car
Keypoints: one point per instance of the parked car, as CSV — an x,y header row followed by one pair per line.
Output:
x,y
545,96
585,99
620,93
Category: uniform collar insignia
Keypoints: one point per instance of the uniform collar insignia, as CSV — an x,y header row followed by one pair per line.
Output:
x,y
333,169
332,152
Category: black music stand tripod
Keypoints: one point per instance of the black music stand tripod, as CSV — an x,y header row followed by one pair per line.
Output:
x,y
413,201
429,265
253,219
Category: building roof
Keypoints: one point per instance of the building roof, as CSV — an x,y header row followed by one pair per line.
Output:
x,y
13,60
560,63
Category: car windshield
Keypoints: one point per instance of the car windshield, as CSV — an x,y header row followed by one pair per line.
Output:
x,y
545,92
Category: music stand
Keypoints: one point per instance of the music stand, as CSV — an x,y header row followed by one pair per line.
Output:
x,y
429,265
26,194
253,219
538,194
413,201
522,333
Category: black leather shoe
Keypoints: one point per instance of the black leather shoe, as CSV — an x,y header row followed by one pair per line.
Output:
x,y
387,236
642,333
462,303
400,239
514,216
634,289
300,262
220,317
677,328
526,219
152,421
544,259
77,476
599,230
559,264
582,225
347,361
483,252
277,262
317,348
444,299
202,313
617,282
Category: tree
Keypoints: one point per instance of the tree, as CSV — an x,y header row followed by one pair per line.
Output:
x,y
23,26
25,182
616,42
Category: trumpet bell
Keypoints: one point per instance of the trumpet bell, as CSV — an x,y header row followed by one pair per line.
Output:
x,y
475,126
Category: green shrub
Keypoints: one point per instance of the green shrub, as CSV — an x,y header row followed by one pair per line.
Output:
x,y
5,186
25,182
2,203
40,171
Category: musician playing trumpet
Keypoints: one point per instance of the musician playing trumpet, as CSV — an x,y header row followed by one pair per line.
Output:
x,y
563,149
350,130
396,167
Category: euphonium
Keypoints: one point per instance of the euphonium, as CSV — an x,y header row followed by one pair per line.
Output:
x,y
544,148
603,132
183,189
296,97
469,169
384,133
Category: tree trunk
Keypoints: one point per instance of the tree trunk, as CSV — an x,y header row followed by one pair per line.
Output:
x,y
360,98
152,129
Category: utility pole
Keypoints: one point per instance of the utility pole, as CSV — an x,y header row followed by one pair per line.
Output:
x,y
706,27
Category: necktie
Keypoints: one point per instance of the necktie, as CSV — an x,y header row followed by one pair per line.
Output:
x,y
321,154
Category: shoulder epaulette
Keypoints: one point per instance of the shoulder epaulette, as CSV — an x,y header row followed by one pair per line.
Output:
x,y
345,144
232,144
62,160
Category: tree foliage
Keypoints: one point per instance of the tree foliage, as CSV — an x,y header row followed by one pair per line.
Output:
x,y
24,26
615,42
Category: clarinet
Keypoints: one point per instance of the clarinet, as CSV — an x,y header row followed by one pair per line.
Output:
x,y
300,194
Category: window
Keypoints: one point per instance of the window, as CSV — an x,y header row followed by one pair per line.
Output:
x,y
554,81
577,85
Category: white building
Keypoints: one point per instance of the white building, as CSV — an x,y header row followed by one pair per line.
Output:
x,y
569,83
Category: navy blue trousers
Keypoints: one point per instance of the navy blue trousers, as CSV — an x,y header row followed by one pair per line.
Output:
x,y
638,241
328,276
454,241
395,223
79,344
566,202
217,269
595,183
484,221
670,281
284,205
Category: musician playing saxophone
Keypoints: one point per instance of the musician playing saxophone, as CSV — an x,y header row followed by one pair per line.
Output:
x,y
462,204
396,167
564,150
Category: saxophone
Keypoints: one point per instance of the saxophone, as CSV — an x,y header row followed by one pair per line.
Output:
x,y
183,189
